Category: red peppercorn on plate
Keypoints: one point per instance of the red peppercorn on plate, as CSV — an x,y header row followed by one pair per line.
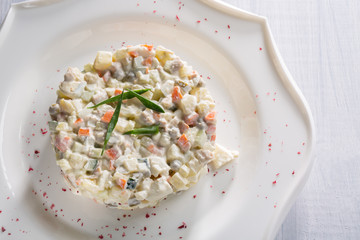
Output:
x,y
260,113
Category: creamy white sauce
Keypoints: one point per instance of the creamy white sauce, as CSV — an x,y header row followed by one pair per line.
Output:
x,y
135,171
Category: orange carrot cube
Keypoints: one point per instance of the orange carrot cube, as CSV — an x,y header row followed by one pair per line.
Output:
x,y
121,183
133,54
176,94
117,92
112,153
79,120
210,117
149,47
183,143
191,119
84,132
107,116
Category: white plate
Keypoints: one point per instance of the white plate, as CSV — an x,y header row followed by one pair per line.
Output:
x,y
261,113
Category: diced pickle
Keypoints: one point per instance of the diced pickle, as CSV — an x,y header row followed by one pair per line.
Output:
x,y
91,165
52,126
131,184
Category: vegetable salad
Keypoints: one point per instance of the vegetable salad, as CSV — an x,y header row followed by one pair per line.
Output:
x,y
150,153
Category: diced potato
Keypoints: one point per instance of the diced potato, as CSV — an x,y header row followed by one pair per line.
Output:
x,y
188,104
143,78
194,165
74,74
78,105
63,126
124,125
105,176
162,54
146,184
202,94
119,55
103,195
137,63
85,112
141,195
154,75
89,67
91,78
110,91
174,153
95,152
222,156
76,160
86,96
102,61
158,166
203,107
130,111
195,176
167,87
184,170
90,185
131,164
120,195
77,147
178,182
200,139
66,106
166,102
160,188
191,134
63,164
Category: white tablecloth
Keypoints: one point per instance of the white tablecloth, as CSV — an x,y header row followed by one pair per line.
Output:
x,y
320,43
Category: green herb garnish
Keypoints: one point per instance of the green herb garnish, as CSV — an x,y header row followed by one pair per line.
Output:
x,y
147,103
127,95
144,131
113,122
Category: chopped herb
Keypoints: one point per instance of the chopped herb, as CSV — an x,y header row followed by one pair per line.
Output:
x,y
127,95
144,131
147,103
113,122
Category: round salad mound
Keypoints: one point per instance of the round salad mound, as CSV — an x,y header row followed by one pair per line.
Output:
x,y
133,127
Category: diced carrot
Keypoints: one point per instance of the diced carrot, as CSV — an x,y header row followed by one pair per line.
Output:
x,y
176,94
153,149
183,127
191,119
183,143
210,117
107,116
106,76
84,132
211,129
149,47
121,182
117,92
128,46
112,167
78,181
79,120
156,116
62,144
133,54
112,153
191,76
213,138
146,70
147,62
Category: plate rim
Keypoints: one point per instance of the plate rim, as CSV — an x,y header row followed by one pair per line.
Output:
x,y
279,64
